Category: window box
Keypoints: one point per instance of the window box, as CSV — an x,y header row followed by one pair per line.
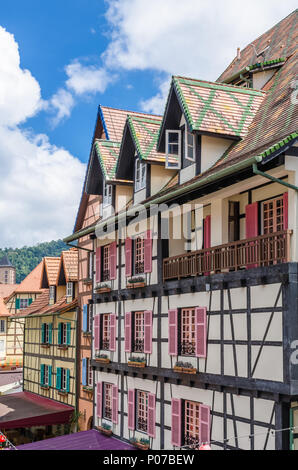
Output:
x,y
136,282
63,393
102,288
143,445
107,431
87,281
135,362
184,368
88,389
45,387
103,359
46,346
63,347
87,334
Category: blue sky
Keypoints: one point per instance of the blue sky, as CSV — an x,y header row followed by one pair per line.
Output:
x,y
60,59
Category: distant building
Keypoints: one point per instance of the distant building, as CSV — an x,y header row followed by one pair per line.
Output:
x,y
7,271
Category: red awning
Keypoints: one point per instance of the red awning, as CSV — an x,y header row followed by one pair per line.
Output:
x,y
25,409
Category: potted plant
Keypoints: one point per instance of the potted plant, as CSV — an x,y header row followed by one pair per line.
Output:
x,y
86,334
135,282
136,362
103,358
87,388
142,443
105,429
102,287
185,368
87,280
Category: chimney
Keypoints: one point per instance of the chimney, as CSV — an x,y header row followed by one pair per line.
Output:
x,y
238,53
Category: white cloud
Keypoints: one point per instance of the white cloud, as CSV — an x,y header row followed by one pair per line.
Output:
x,y
156,104
193,38
40,184
61,103
87,79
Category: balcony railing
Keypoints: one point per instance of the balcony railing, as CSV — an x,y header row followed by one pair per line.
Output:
x,y
264,250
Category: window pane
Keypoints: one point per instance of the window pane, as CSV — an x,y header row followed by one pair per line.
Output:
x,y
173,137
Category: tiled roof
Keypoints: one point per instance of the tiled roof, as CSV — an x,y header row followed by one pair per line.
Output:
x,y
144,131
3,309
51,265
41,302
114,121
282,42
41,306
31,283
7,289
217,108
107,152
70,260
4,262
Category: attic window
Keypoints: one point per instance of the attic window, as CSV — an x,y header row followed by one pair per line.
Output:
x,y
140,175
173,149
107,194
69,289
189,146
52,292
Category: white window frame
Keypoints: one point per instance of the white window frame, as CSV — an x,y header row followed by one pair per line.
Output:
x,y
46,376
170,165
193,159
52,292
64,334
140,174
90,265
22,302
46,333
2,326
89,373
63,379
107,194
89,318
69,289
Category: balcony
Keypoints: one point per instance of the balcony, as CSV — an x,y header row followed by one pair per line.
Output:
x,y
264,250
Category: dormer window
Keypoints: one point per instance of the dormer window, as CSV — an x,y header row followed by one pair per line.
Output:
x,y
190,146
140,175
173,149
107,194
69,289
52,293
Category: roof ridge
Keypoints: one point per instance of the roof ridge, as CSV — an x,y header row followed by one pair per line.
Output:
x,y
226,86
129,111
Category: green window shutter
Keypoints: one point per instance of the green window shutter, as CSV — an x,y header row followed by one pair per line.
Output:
x,y
67,380
43,333
58,378
42,374
60,333
30,301
68,331
50,375
51,333
17,304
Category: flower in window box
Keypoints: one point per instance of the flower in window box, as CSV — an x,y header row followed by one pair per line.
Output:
x,y
102,358
184,367
105,429
137,362
142,443
136,282
102,287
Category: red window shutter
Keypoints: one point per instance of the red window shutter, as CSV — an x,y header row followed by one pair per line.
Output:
x,y
127,332
148,332
148,252
286,211
151,415
99,399
97,332
173,332
201,331
131,409
204,420
113,332
98,264
115,404
207,231
113,260
176,421
128,257
251,220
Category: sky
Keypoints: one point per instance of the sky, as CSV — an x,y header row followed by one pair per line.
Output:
x,y
59,60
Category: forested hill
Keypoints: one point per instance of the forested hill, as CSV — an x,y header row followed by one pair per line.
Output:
x,y
25,259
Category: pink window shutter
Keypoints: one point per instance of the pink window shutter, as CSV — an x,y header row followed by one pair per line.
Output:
x,y
131,409
148,332
148,252
115,404
204,423
98,264
151,415
173,332
201,331
286,211
113,260
127,332
128,257
99,399
97,332
176,422
252,229
113,332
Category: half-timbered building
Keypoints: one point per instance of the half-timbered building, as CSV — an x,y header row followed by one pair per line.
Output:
x,y
194,305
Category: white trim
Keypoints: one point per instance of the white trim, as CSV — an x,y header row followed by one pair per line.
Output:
x,y
172,165
186,146
107,194
140,175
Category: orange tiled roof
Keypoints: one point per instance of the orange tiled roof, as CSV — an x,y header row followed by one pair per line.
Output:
x,y
51,265
41,306
7,289
108,153
31,283
70,260
3,309
145,131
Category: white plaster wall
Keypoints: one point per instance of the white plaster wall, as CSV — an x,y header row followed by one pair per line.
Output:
x,y
187,173
259,79
212,149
